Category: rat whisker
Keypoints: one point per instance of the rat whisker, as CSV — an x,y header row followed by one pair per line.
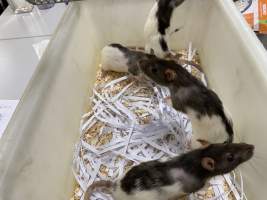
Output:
x,y
260,154
253,166
257,158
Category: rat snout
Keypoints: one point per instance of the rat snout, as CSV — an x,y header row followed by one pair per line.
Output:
x,y
248,151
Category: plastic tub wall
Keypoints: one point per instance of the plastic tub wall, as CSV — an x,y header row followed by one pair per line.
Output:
x,y
36,150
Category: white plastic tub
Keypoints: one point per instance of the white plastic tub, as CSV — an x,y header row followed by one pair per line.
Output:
x,y
36,150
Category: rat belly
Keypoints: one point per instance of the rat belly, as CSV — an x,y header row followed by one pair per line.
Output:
x,y
159,193
209,128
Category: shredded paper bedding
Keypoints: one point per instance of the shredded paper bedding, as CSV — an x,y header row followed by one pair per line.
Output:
x,y
132,122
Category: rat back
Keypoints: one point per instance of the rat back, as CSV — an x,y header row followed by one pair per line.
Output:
x,y
154,180
112,58
210,120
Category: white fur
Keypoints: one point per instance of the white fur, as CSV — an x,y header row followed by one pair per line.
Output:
x,y
140,195
151,22
153,43
207,128
112,59
165,193
171,191
178,173
152,35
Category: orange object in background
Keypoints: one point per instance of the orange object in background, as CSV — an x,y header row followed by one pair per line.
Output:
x,y
262,9
249,10
250,19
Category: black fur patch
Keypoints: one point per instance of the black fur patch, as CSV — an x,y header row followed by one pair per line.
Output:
x,y
146,176
164,13
163,44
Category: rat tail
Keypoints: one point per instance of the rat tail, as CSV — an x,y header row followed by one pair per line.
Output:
x,y
99,184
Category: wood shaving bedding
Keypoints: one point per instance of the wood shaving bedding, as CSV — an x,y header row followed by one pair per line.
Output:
x,y
131,122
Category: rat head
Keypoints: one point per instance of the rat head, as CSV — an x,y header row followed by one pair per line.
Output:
x,y
219,159
160,71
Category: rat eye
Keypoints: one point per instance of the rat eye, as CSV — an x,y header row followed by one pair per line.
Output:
x,y
230,157
154,70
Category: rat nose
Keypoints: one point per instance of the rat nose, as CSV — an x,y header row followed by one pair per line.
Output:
x,y
248,150
250,147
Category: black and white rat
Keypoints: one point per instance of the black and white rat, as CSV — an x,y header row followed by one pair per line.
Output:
x,y
157,30
178,176
116,57
210,120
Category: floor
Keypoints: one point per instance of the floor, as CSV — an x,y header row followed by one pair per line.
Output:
x,y
23,39
19,38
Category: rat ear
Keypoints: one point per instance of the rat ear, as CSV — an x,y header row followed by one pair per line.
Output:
x,y
208,163
170,74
